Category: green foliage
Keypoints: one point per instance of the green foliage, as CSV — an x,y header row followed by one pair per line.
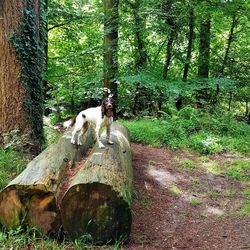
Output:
x,y
34,239
31,59
146,131
205,143
75,53
239,170
189,128
11,164
245,210
195,202
187,164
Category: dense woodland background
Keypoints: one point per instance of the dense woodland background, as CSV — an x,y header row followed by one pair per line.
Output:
x,y
192,53
177,69
157,58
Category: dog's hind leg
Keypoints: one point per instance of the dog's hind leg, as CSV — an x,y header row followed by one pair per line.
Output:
x,y
78,126
73,135
82,132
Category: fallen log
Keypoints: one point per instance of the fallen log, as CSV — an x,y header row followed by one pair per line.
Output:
x,y
98,200
31,196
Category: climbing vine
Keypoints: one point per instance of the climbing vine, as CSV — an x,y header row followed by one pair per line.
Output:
x,y
28,42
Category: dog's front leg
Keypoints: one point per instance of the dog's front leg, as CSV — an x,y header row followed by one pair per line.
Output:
x,y
73,135
97,131
108,135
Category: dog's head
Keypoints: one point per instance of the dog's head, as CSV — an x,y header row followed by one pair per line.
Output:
x,y
108,107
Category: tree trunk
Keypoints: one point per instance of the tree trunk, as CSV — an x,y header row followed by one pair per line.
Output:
x,y
32,196
21,95
111,18
224,63
12,113
141,51
171,22
179,101
229,42
190,43
98,201
203,60
204,48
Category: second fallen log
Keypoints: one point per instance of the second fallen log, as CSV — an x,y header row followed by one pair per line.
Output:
x,y
98,201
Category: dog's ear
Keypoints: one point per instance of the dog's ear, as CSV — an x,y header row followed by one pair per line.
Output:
x,y
114,107
103,108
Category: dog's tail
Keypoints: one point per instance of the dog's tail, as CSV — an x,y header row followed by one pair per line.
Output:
x,y
69,123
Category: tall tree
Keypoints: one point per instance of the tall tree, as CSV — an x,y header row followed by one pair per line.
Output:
x,y
21,64
203,60
229,42
141,56
172,26
139,27
190,43
204,47
111,20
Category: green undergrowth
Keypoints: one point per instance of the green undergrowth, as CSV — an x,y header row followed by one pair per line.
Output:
x,y
19,239
191,129
238,170
11,164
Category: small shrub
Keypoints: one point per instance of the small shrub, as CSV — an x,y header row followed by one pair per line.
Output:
x,y
173,136
205,143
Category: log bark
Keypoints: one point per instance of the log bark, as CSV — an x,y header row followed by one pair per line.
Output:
x,y
98,201
32,196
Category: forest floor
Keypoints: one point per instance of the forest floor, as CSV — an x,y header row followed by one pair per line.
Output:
x,y
181,202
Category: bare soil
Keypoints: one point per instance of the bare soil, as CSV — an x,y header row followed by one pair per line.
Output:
x,y
179,208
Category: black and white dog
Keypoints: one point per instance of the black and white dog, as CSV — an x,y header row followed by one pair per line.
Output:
x,y
101,116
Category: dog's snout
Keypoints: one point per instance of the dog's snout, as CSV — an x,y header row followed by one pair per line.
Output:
x,y
109,105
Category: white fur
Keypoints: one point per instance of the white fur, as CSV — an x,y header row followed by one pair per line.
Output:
x,y
92,115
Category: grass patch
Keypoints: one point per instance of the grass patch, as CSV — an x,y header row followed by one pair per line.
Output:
x,y
245,210
236,169
11,164
146,131
190,128
196,180
246,192
213,194
239,170
195,202
175,191
213,167
230,192
19,239
187,164
142,198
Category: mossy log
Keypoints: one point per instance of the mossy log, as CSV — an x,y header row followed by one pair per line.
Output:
x,y
98,200
31,197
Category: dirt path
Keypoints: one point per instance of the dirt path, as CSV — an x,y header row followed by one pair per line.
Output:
x,y
184,207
